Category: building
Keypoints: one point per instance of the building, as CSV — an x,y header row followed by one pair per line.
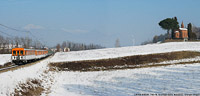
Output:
x,y
66,49
9,46
181,33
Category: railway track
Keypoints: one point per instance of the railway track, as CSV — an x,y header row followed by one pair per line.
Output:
x,y
14,67
6,68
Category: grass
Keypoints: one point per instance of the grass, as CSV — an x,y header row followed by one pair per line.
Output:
x,y
30,88
6,65
136,61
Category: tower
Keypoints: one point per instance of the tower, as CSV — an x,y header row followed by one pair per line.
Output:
x,y
182,25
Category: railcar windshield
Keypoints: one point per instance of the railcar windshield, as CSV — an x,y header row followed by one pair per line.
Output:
x,y
17,52
14,52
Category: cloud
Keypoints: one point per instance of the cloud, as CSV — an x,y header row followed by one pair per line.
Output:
x,y
32,26
74,30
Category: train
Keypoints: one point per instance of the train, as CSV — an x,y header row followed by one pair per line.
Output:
x,y
22,55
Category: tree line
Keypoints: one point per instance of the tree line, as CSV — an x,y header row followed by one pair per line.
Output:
x,y
77,46
7,43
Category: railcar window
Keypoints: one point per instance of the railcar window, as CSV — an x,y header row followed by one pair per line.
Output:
x,y
21,52
14,52
17,52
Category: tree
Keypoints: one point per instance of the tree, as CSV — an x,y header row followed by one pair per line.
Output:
x,y
58,47
64,44
1,41
196,30
155,39
192,35
189,30
117,44
23,42
159,38
169,24
28,42
17,42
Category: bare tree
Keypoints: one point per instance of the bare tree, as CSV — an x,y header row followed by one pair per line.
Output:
x,y
196,30
64,44
58,47
23,42
7,42
80,46
117,44
1,41
38,44
28,42
12,43
17,42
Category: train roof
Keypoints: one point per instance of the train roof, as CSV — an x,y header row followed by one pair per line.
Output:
x,y
26,49
41,50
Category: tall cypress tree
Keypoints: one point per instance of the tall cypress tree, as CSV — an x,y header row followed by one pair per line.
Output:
x,y
189,31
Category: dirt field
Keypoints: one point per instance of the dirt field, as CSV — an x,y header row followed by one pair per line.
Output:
x,y
136,61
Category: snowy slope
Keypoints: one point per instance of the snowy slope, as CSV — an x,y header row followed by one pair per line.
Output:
x,y
4,58
169,79
125,51
11,79
166,79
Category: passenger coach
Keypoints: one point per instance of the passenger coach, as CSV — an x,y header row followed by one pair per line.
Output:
x,y
22,55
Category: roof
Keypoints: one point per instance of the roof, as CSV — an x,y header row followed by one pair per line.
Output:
x,y
40,50
176,31
182,28
27,49
21,49
18,49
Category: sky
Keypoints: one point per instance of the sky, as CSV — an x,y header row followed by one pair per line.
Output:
x,y
94,21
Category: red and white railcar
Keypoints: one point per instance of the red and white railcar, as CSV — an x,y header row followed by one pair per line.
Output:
x,y
22,55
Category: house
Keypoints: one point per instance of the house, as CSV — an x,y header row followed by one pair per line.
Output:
x,y
66,49
9,46
181,33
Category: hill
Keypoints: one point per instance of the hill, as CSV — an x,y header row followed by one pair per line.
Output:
x,y
125,51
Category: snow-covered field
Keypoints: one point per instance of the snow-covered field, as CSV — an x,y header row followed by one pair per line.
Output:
x,y
169,79
11,79
5,58
166,79
125,51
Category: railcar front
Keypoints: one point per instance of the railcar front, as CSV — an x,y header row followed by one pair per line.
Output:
x,y
21,55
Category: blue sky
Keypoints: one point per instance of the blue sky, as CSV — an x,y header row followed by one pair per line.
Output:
x,y
95,21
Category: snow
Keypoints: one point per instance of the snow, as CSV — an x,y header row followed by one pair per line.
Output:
x,y
125,51
166,79
11,79
5,58
178,61
169,79
183,28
